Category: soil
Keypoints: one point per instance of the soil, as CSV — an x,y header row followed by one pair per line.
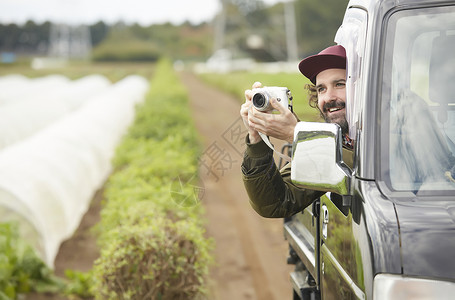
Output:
x,y
250,253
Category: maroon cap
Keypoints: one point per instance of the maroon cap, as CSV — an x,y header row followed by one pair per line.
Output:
x,y
333,57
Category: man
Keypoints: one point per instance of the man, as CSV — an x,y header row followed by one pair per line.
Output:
x,y
271,192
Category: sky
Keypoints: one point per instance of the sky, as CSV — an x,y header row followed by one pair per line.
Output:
x,y
144,12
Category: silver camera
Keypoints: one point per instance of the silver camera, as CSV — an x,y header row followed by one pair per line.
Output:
x,y
262,96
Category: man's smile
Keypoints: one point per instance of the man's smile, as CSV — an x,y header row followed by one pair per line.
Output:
x,y
333,107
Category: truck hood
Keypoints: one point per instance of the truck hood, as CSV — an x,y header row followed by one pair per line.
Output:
x,y
427,232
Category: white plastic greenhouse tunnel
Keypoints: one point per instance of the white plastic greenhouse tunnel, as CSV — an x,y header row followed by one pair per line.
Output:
x,y
41,101
58,139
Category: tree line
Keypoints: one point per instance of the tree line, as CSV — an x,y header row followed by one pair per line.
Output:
x,y
33,38
244,21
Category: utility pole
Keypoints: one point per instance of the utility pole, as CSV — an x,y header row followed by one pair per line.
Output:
x,y
291,32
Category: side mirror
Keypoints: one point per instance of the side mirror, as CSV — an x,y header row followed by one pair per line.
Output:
x,y
317,161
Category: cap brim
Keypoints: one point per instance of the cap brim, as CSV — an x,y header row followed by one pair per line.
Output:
x,y
311,66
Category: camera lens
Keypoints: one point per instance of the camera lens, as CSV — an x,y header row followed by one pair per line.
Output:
x,y
260,101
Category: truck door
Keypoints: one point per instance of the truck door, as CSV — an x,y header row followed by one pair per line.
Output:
x,y
341,263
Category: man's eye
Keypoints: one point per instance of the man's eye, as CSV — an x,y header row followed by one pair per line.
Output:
x,y
341,84
321,90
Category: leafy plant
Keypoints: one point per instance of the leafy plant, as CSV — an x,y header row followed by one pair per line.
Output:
x,y
79,283
21,270
155,258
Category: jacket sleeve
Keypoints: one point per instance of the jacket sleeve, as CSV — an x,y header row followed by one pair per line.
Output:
x,y
271,192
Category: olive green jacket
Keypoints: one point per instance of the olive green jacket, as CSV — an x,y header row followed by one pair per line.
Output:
x,y
271,192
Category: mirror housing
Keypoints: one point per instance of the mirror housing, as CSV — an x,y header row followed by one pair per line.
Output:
x,y
317,161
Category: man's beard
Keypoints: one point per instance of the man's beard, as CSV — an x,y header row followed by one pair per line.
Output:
x,y
341,120
344,126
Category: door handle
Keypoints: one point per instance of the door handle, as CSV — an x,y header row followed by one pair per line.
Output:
x,y
325,220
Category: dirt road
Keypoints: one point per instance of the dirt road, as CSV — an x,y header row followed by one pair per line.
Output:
x,y
251,252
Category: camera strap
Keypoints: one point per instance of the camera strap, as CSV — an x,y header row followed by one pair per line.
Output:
x,y
267,141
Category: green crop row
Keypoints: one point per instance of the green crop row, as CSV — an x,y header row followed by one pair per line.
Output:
x,y
151,231
237,83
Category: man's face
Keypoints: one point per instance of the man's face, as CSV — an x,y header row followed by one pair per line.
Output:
x,y
331,89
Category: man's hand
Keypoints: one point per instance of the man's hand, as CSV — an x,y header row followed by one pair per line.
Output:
x,y
245,111
278,125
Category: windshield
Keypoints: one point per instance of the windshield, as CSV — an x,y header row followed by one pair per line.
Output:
x,y
418,101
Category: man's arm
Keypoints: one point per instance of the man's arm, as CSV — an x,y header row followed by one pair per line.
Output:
x,y
272,193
